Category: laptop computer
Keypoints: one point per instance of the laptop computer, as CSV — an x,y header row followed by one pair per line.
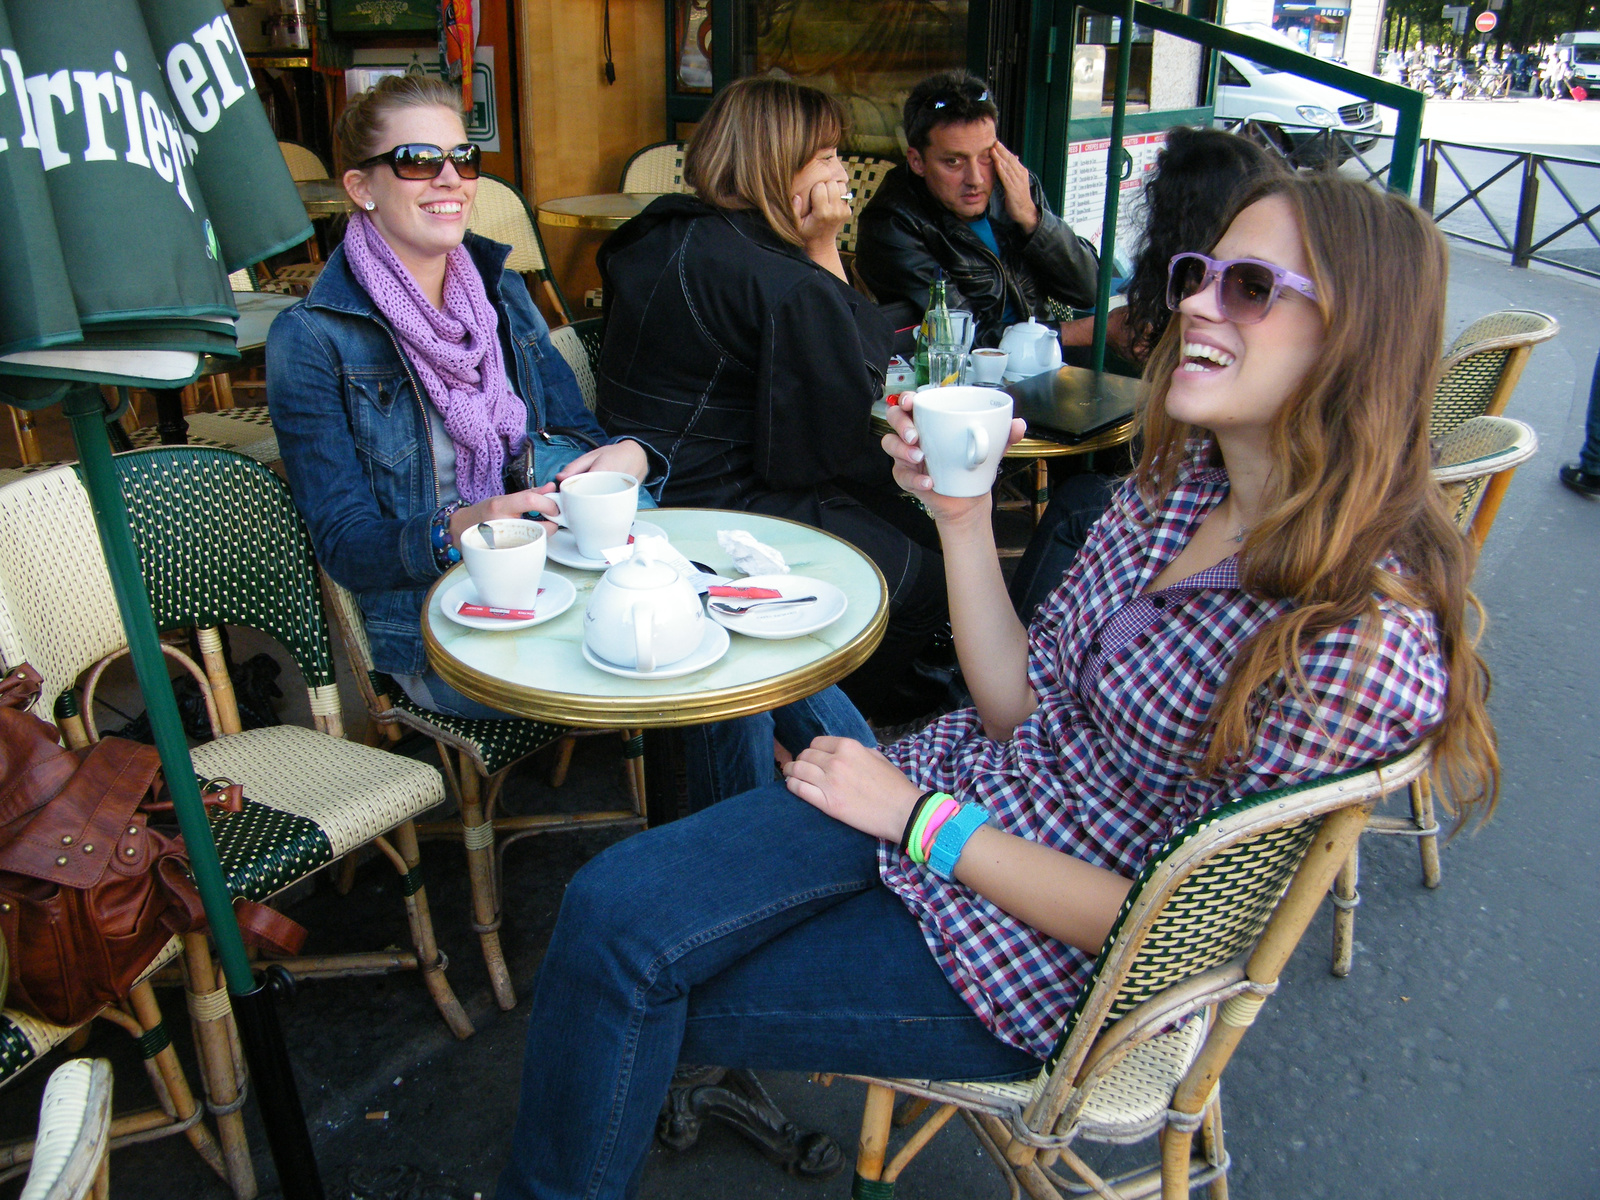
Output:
x,y
1073,404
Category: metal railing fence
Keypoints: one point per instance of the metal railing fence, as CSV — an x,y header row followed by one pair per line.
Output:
x,y
1530,206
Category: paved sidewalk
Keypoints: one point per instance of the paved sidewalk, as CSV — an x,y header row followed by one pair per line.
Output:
x,y
1459,1056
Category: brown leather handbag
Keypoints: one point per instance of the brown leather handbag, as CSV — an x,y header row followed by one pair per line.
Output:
x,y
89,892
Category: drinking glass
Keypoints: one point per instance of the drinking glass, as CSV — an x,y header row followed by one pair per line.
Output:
x,y
945,360
962,328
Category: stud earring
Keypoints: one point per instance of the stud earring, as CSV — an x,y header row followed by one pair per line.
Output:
x,y
371,206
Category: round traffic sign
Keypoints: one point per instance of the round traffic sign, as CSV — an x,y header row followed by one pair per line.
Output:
x,y
1485,21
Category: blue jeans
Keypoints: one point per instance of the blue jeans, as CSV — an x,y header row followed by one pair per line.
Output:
x,y
1589,456
754,933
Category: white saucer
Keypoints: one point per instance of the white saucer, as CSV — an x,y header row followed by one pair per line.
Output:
x,y
790,620
713,645
563,547
557,598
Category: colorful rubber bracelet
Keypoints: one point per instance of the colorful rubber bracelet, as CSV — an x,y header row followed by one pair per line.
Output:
x,y
943,813
911,819
914,850
953,837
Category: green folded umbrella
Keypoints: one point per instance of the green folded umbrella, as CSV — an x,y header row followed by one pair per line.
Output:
x,y
36,308
254,207
132,223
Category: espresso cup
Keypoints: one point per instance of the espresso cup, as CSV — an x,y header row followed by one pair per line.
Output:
x,y
599,508
507,574
987,366
962,432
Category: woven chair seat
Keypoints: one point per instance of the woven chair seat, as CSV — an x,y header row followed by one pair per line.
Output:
x,y
247,431
1127,1106
24,1039
495,743
352,793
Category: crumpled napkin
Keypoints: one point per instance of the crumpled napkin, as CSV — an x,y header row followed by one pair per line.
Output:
x,y
750,556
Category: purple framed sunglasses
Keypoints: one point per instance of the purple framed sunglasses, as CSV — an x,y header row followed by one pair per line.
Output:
x,y
1247,288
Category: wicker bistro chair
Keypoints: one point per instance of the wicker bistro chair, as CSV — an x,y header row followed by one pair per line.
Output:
x,y
24,1040
1482,366
220,541
579,344
1193,955
477,755
866,176
655,168
1474,464
501,213
69,1155
296,278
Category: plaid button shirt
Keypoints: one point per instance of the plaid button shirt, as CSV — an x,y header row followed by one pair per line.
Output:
x,y
1103,768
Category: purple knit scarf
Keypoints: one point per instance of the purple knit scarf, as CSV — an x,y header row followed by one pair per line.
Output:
x,y
456,352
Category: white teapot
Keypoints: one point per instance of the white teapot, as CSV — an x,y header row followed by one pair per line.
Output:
x,y
1030,348
643,615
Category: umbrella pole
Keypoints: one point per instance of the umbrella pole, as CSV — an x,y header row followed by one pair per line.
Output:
x,y
253,1008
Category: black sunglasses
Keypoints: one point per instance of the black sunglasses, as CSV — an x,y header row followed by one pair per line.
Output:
x,y
941,99
419,160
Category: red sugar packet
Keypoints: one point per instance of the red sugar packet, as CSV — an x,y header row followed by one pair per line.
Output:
x,y
504,614
744,593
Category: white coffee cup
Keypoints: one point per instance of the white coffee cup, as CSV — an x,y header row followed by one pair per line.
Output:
x,y
506,575
962,432
599,508
987,365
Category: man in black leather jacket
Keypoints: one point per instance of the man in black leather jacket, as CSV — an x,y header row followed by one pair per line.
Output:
x,y
965,204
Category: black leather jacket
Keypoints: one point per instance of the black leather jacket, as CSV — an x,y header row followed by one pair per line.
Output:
x,y
750,368
906,235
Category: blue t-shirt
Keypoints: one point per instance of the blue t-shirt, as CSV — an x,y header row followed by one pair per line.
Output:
x,y
985,233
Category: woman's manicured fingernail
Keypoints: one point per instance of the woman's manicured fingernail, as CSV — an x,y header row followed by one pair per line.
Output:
x,y
917,456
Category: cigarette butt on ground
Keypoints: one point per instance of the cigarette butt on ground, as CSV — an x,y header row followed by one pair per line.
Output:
x,y
381,1115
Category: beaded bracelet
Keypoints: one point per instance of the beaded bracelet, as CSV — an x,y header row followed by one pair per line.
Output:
x,y
445,554
953,837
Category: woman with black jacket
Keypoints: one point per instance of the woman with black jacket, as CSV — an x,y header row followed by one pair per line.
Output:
x,y
735,348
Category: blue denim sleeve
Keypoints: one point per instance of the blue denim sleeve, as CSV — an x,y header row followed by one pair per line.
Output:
x,y
360,547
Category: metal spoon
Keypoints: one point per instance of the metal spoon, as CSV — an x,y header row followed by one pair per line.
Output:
x,y
738,610
486,532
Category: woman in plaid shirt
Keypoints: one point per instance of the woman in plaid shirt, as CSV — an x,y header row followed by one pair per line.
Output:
x,y
1277,593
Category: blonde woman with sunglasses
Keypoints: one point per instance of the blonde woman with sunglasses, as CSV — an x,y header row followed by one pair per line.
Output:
x,y
415,375
1276,594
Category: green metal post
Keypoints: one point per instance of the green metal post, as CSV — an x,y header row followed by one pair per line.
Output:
x,y
84,408
1108,221
1407,138
270,1072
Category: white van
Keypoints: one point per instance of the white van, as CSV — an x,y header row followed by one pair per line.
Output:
x,y
1289,109
1582,52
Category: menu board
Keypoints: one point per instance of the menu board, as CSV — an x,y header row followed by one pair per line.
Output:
x,y
1084,205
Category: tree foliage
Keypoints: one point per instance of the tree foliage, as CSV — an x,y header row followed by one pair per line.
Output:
x,y
1523,23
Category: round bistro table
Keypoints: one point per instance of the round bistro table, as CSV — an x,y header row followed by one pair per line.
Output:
x,y
540,672
608,210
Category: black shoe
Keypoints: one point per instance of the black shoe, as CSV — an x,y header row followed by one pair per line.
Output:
x,y
1585,483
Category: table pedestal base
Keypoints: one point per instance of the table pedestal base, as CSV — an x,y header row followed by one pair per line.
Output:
x,y
737,1099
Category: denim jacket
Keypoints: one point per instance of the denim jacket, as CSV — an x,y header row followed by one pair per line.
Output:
x,y
350,417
